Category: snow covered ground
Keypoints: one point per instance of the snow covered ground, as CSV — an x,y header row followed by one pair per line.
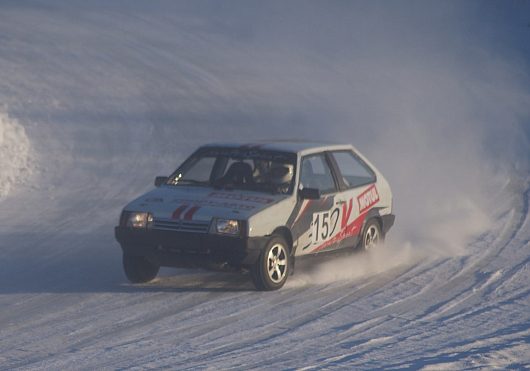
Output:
x,y
97,99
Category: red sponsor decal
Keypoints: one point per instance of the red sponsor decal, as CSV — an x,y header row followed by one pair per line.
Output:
x,y
368,198
346,212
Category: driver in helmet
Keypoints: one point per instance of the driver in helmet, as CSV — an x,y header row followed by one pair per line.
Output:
x,y
280,176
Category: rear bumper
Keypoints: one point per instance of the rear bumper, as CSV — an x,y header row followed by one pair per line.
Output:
x,y
388,222
185,249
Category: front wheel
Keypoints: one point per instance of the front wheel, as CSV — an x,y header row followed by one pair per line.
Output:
x,y
372,235
139,269
273,266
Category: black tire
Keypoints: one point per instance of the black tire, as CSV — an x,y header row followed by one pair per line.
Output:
x,y
139,269
273,266
372,235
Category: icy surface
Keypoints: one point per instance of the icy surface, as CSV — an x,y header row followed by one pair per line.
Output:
x,y
100,97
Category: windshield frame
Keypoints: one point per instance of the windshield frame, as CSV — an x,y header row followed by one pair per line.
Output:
x,y
222,154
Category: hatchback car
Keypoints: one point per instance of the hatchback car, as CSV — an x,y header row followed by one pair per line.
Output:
x,y
257,208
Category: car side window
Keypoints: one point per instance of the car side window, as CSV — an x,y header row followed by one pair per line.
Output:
x,y
316,174
353,170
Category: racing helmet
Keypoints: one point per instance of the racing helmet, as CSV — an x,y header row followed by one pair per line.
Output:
x,y
281,173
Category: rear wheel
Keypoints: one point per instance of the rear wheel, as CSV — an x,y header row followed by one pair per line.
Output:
x,y
372,235
273,266
139,269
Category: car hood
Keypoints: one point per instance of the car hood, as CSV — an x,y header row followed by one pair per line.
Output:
x,y
201,204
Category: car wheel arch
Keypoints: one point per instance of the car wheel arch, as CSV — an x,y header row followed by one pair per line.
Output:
x,y
373,214
285,232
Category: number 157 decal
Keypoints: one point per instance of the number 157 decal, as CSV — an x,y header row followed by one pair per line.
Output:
x,y
325,225
328,224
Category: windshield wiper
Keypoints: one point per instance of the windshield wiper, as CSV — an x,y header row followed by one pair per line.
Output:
x,y
191,181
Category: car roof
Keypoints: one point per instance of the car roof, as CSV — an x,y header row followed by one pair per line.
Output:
x,y
294,146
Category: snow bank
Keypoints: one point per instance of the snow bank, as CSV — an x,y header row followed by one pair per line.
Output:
x,y
15,151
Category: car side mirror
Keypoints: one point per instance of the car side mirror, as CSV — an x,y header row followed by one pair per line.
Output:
x,y
309,193
159,180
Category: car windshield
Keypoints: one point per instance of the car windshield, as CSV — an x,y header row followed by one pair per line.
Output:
x,y
238,168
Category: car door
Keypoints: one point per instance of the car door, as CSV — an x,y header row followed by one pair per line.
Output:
x,y
317,222
357,197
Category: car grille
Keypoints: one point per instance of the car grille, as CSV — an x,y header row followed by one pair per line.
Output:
x,y
181,225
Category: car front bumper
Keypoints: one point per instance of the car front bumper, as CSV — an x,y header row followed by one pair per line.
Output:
x,y
185,249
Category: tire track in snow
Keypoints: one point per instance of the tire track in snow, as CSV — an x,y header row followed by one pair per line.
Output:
x,y
463,350
271,331
468,274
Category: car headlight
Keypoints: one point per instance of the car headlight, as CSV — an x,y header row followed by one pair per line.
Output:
x,y
137,220
227,226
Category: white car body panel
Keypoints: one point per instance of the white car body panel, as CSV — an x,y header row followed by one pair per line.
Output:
x,y
167,201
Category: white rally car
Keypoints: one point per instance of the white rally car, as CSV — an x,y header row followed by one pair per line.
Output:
x,y
256,207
